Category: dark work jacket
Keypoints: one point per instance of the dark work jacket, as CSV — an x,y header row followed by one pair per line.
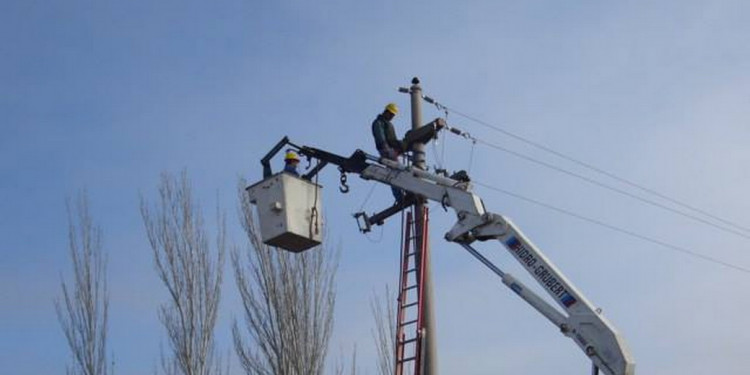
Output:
x,y
385,135
291,169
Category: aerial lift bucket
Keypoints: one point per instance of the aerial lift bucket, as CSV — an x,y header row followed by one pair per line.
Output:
x,y
289,211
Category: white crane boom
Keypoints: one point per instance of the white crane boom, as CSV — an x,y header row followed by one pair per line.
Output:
x,y
583,323
579,319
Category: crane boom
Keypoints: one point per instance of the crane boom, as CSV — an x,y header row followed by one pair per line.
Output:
x,y
580,320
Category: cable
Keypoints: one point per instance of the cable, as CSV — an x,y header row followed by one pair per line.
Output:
x,y
617,229
592,181
445,140
471,155
375,241
589,166
367,198
439,157
614,189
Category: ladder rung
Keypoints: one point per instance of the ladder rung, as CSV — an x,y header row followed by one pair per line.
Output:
x,y
407,359
410,254
411,270
410,288
409,341
409,322
409,305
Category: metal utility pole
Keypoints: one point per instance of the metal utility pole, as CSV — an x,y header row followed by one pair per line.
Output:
x,y
429,358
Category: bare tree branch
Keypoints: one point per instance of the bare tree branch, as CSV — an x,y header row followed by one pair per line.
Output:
x,y
384,332
288,302
84,307
192,276
340,367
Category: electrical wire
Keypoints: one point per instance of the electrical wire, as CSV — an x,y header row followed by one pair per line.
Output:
x,y
627,232
614,189
442,151
590,180
591,167
439,157
367,198
631,233
471,155
375,240
445,140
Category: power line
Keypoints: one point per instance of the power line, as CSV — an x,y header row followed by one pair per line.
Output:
x,y
615,228
586,179
589,166
631,233
612,188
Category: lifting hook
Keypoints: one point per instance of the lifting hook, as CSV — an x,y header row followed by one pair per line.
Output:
x,y
344,188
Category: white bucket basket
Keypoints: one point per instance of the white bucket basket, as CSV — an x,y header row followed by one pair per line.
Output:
x,y
289,211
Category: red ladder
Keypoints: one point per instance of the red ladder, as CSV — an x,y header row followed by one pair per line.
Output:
x,y
409,320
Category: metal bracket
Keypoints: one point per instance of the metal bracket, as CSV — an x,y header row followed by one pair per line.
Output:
x,y
380,217
266,161
363,224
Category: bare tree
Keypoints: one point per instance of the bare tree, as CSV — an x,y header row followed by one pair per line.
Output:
x,y
288,302
191,274
84,306
384,332
342,367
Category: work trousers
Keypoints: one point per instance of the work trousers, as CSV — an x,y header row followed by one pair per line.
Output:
x,y
391,154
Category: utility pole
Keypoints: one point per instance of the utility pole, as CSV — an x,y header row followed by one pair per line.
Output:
x,y
416,350
429,357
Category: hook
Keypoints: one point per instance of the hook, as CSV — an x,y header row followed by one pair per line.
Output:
x,y
344,188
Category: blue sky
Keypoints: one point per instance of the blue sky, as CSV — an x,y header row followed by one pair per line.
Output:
x,y
106,95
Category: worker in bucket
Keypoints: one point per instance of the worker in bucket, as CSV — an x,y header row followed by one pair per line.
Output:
x,y
386,142
291,160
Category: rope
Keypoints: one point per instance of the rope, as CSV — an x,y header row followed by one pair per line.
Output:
x,y
314,210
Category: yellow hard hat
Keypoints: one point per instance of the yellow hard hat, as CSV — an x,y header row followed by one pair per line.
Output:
x,y
391,107
291,156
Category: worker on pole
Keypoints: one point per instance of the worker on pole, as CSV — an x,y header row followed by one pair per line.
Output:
x,y
388,145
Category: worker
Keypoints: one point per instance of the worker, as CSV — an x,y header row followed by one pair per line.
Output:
x,y
388,145
386,142
291,160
